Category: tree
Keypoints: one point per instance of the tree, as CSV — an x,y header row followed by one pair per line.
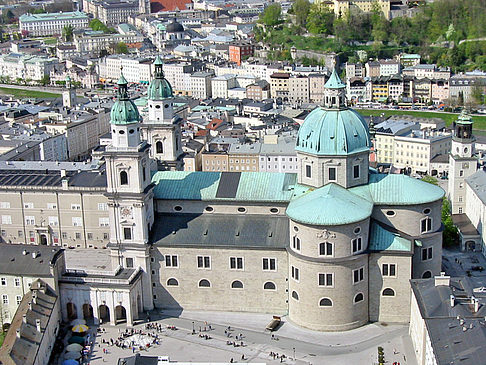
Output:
x,y
477,94
121,47
320,19
67,33
450,234
45,80
271,16
301,10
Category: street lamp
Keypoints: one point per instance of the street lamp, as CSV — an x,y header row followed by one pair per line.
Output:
x,y
193,330
293,348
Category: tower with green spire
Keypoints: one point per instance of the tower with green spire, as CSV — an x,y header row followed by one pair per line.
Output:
x,y
129,191
69,95
162,129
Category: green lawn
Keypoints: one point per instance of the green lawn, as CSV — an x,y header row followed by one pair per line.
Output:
x,y
49,41
479,121
2,337
21,93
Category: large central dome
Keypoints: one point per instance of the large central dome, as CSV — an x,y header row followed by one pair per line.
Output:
x,y
333,132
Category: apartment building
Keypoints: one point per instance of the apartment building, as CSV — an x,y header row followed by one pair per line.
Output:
x,y
239,51
214,161
389,67
26,67
356,90
221,84
440,91
299,89
112,12
386,132
243,157
135,69
279,85
372,69
201,85
258,91
277,154
178,74
464,84
95,41
355,70
38,25
316,88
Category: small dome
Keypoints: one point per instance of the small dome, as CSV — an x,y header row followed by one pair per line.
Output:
x,y
333,132
124,112
330,205
159,89
174,27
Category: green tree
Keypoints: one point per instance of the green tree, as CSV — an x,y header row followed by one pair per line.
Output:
x,y
301,10
67,33
320,19
430,179
121,47
271,16
449,234
45,80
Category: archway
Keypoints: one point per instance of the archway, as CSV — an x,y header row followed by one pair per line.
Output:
x,y
470,246
43,240
87,311
104,313
72,312
120,314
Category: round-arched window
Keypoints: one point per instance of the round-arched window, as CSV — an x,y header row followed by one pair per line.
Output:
x,y
172,282
237,284
426,275
325,302
269,286
295,295
388,292
178,208
358,297
204,283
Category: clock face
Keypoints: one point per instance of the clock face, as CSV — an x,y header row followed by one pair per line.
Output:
x,y
126,212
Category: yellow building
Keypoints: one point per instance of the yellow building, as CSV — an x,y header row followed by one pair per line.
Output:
x,y
379,89
342,7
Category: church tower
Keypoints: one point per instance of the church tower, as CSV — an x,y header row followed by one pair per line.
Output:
x,y
162,129
69,95
129,192
333,144
462,162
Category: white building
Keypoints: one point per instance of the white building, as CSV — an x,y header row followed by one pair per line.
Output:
x,y
389,67
94,41
52,23
135,69
201,85
26,67
221,84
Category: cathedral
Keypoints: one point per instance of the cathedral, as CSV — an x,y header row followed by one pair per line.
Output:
x,y
332,247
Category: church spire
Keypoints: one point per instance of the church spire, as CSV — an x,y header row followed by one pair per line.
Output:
x,y
334,92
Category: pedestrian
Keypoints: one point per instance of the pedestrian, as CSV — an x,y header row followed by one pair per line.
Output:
x,y
231,360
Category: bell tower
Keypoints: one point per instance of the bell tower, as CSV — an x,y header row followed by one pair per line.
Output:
x,y
129,190
162,129
462,161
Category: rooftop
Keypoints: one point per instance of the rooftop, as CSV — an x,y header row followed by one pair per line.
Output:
x,y
477,182
383,240
28,260
53,16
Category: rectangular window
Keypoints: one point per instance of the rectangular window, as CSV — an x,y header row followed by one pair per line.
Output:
x,y
269,264
29,220
78,235
296,243
171,261
127,233
90,235
308,171
356,171
425,225
326,280
389,269
426,253
129,262
51,206
28,205
105,236
53,221
204,262
20,234
6,219
295,273
18,299
325,249
77,221
5,205
5,299
17,282
102,206
236,263
332,174
76,206
358,275
104,222
64,235
3,281
357,244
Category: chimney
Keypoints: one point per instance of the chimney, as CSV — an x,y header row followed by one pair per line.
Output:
x,y
452,300
38,325
64,184
24,318
475,303
63,172
34,298
18,332
442,279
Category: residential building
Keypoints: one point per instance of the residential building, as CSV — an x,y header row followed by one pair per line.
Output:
x,y
47,24
215,161
440,91
355,70
258,91
372,69
178,74
112,12
221,84
135,69
386,132
299,89
17,66
243,157
316,88
279,86
395,87
201,85
422,90
356,90
239,51
277,154
409,59
389,67
379,89
463,85
96,41
341,8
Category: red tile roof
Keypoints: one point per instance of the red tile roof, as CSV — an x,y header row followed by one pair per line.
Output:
x,y
168,5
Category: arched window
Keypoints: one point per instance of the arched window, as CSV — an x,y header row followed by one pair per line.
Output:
x,y
426,275
325,302
123,178
237,284
172,282
204,283
358,297
295,295
388,292
269,286
159,147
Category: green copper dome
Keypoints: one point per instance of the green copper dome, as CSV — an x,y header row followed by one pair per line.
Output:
x,y
330,205
124,111
159,88
333,132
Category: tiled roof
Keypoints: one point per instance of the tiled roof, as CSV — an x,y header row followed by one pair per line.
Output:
x,y
168,5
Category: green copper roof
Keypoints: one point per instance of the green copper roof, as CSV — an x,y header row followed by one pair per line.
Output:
x,y
333,132
122,80
394,189
124,111
227,186
329,205
334,81
383,240
159,88
158,60
464,118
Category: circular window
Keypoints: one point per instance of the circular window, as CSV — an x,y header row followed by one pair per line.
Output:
x,y
390,213
157,107
209,209
177,208
427,211
121,132
296,229
131,131
465,150
357,230
166,106
274,210
241,210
